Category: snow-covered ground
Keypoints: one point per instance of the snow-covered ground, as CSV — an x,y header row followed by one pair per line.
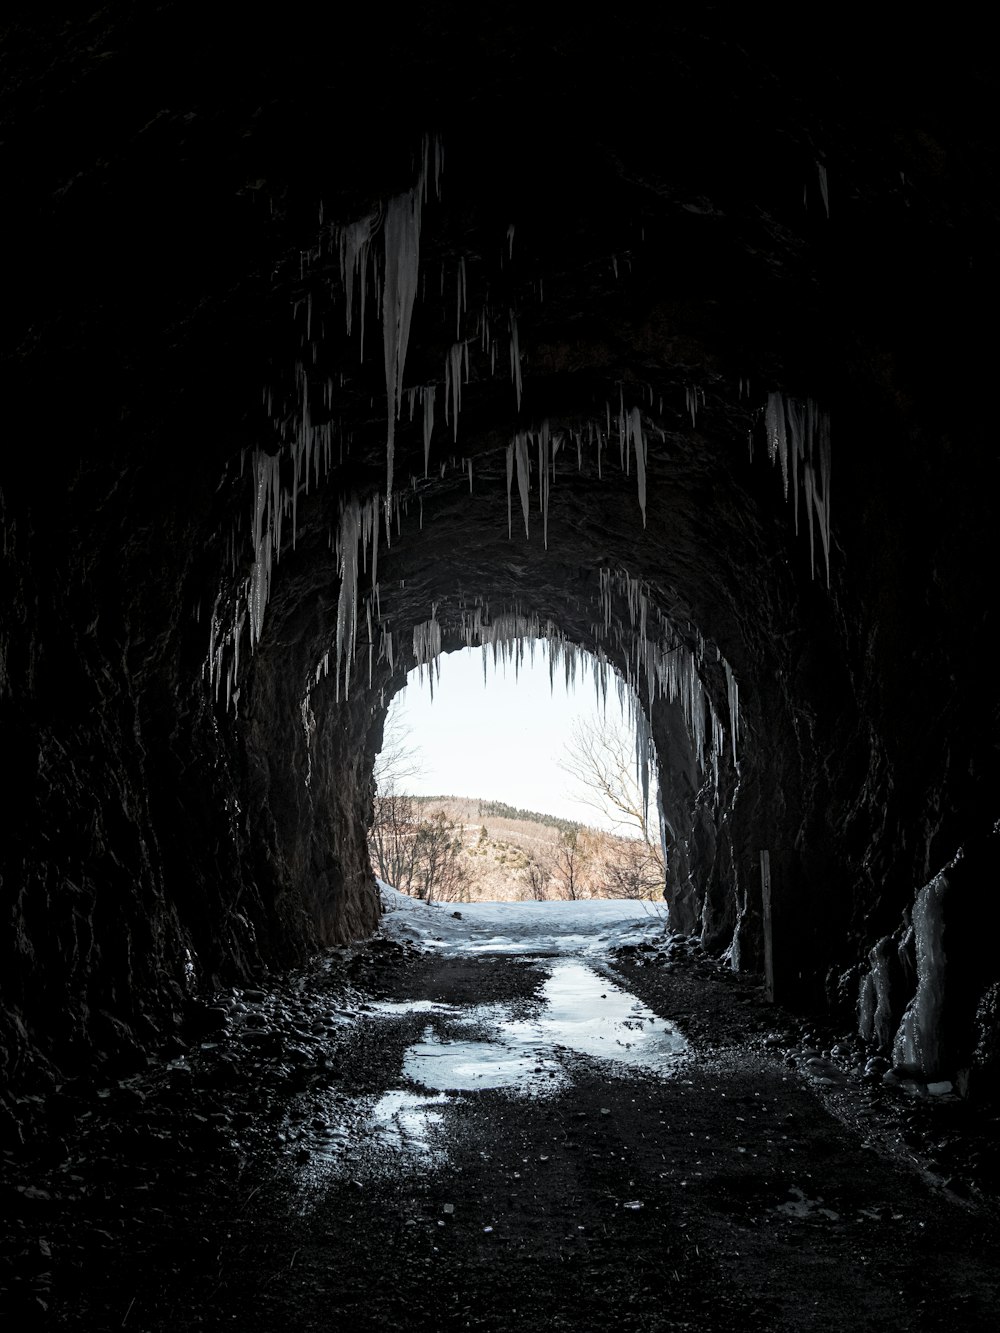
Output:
x,y
588,928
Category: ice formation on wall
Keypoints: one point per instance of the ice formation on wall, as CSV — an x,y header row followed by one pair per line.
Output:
x,y
919,1041
875,996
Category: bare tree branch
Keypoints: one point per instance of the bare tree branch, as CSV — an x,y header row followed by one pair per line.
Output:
x,y
601,760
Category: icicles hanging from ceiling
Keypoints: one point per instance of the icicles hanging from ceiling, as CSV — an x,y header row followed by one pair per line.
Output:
x,y
453,386
353,242
523,466
266,535
515,359
307,447
460,299
733,695
357,530
692,395
427,398
664,663
824,185
402,268
798,438
655,660
635,426
427,648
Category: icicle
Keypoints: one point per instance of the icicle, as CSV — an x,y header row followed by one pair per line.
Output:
x,y
427,394
353,243
347,602
402,264
640,460
460,299
453,386
543,477
824,186
515,356
510,478
470,476
802,431
733,692
521,458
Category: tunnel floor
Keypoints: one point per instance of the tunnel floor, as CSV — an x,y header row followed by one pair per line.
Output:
x,y
440,1129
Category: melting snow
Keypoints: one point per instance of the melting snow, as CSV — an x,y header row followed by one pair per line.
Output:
x,y
499,1046
591,927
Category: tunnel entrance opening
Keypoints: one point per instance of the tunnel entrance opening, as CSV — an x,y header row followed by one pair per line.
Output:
x,y
518,772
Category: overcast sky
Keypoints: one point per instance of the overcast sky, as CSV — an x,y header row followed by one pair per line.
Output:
x,y
502,740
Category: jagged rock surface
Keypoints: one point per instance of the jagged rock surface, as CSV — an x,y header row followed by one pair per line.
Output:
x,y
658,225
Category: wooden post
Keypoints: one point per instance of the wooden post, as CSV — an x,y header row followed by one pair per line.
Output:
x,y
765,899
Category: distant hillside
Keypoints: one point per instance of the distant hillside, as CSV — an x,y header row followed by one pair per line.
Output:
x,y
511,854
499,810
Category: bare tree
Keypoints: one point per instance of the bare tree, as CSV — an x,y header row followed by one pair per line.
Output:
x,y
629,870
602,761
438,859
392,836
568,861
398,761
392,839
538,879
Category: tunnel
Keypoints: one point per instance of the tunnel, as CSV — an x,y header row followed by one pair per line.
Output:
x,y
331,345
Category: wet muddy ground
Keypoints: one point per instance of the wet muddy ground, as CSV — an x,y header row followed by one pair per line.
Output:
x,y
401,1139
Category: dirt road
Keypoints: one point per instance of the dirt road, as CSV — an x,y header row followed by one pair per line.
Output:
x,y
450,1151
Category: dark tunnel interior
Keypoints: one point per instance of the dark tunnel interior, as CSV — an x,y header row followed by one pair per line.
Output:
x,y
330,344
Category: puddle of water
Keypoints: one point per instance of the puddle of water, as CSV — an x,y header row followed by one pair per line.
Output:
x,y
472,1065
582,1012
406,1122
589,1014
468,1050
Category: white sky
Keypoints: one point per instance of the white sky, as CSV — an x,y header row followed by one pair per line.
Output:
x,y
503,740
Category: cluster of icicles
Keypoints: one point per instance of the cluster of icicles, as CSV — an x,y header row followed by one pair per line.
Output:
x,y
798,437
658,663
797,433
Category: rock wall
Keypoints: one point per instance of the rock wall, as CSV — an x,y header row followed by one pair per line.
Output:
x,y
177,319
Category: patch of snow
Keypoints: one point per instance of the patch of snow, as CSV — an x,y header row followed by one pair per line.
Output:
x,y
589,927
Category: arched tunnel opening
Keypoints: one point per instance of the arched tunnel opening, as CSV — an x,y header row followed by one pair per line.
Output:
x,y
518,770
663,345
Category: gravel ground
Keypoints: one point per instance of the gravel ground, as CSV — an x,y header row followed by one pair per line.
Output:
x,y
247,1180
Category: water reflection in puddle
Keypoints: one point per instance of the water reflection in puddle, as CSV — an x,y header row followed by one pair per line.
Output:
x,y
579,1013
582,1012
469,1065
406,1122
591,1015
